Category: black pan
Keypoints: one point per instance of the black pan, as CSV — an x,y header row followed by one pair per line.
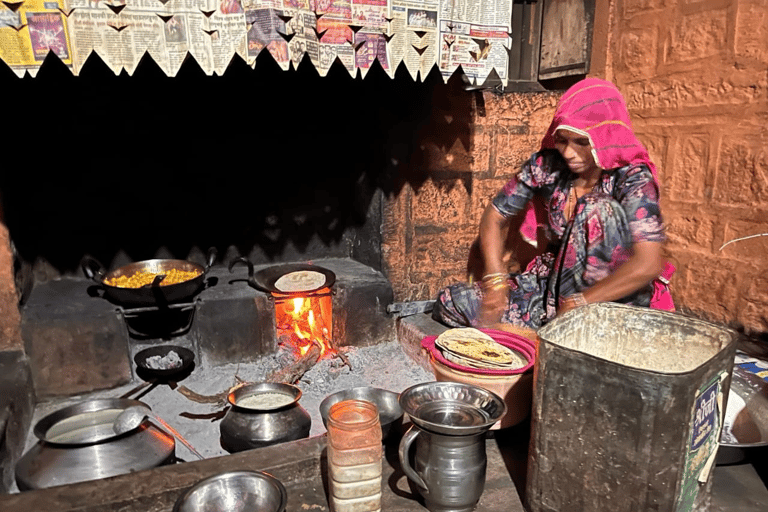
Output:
x,y
144,370
154,294
266,278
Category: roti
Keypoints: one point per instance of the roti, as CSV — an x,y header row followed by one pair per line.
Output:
x,y
484,365
300,281
471,343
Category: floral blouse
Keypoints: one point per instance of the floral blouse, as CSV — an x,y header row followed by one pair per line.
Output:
x,y
547,175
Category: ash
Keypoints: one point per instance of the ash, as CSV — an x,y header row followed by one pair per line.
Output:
x,y
384,365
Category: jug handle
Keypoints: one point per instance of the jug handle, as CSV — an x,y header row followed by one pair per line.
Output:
x,y
405,446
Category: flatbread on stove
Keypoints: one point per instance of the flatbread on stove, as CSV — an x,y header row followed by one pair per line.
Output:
x,y
471,343
300,281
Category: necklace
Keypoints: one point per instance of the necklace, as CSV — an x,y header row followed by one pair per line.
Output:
x,y
573,199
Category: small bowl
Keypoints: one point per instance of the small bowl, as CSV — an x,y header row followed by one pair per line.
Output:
x,y
452,408
235,491
390,411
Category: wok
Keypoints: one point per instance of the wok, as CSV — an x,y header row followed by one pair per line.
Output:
x,y
266,278
154,294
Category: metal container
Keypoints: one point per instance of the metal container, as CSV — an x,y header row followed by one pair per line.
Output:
x,y
449,425
77,443
253,423
745,427
628,405
235,491
390,412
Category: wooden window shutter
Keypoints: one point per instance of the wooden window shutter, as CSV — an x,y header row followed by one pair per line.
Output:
x,y
566,38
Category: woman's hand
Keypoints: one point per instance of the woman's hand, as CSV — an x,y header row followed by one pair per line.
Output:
x,y
495,299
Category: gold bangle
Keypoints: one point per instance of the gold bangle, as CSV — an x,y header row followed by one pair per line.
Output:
x,y
494,276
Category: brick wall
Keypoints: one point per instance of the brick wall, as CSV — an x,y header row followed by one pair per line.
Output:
x,y
695,78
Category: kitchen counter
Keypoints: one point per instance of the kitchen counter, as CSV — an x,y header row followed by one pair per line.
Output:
x,y
300,465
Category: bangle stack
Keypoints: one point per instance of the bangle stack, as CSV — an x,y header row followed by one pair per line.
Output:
x,y
495,281
577,299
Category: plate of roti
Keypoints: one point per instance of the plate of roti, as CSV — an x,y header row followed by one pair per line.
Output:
x,y
473,348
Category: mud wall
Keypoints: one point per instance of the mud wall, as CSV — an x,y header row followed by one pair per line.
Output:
x,y
696,81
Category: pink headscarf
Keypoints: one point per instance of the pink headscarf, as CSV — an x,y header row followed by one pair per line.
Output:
x,y
595,108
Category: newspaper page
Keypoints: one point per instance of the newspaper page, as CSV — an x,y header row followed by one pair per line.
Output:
x,y
415,25
369,18
211,31
336,37
420,34
475,36
29,31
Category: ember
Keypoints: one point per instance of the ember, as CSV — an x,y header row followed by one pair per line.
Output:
x,y
305,320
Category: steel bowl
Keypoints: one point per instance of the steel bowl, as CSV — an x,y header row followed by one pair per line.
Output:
x,y
390,412
235,491
745,424
452,408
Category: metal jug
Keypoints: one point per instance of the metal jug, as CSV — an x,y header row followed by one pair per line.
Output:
x,y
449,470
449,424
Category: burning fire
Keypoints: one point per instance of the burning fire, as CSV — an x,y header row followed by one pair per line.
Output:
x,y
305,320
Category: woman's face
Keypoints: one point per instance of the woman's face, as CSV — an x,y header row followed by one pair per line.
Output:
x,y
576,151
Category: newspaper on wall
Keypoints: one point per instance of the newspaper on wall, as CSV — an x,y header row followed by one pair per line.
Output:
x,y
29,31
419,34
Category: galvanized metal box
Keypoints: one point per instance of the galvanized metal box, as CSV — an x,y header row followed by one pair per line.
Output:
x,y
628,405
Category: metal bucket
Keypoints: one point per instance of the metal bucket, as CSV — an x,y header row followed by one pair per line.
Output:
x,y
628,404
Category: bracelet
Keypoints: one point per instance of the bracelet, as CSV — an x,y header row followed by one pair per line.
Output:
x,y
495,286
494,276
578,299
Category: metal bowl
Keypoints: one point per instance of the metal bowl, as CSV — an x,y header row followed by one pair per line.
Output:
x,y
390,411
452,408
745,424
235,491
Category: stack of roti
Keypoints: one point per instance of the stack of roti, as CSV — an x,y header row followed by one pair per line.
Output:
x,y
473,348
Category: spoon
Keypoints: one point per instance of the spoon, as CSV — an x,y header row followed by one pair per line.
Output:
x,y
133,416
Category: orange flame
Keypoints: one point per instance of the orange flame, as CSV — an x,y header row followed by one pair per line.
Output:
x,y
305,320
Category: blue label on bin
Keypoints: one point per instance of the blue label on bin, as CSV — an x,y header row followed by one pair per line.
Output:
x,y
705,416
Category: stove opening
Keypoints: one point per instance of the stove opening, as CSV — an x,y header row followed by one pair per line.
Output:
x,y
304,320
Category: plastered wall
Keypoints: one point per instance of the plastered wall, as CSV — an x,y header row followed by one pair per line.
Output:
x,y
695,76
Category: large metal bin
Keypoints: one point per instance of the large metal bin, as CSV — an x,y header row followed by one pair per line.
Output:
x,y
628,405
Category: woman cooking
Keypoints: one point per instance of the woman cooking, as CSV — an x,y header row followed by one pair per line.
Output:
x,y
604,223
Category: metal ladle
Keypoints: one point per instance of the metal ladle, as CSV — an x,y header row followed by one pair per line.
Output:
x,y
133,416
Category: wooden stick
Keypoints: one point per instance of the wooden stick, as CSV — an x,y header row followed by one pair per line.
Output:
x,y
292,373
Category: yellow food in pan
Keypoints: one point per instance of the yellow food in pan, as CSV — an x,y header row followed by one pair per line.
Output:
x,y
142,278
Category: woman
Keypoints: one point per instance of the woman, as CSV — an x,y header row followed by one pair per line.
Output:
x,y
604,222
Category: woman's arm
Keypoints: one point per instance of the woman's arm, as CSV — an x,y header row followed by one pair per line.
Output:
x,y
493,228
642,267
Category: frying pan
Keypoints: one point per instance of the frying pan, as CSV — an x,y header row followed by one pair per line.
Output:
x,y
143,369
154,294
266,278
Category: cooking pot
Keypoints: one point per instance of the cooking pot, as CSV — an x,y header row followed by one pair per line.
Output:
x,y
155,294
78,443
253,422
266,278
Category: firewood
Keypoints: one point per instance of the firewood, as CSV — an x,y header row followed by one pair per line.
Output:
x,y
293,372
